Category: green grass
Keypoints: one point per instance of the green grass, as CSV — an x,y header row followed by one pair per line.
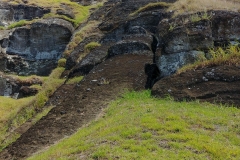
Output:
x,y
219,56
138,126
74,80
90,46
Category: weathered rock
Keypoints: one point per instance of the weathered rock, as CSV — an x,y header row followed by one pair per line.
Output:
x,y
169,64
66,11
126,47
210,84
36,49
26,91
180,38
11,13
92,59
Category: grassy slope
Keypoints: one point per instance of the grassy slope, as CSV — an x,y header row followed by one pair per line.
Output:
x,y
138,126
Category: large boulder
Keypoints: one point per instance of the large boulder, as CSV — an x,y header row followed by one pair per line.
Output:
x,y
35,49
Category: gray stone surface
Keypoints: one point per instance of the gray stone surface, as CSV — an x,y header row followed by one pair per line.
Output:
x,y
168,64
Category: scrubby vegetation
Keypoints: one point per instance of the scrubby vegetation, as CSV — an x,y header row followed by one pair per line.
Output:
x,y
216,57
138,126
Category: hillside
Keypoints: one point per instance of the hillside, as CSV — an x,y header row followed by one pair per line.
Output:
x,y
68,63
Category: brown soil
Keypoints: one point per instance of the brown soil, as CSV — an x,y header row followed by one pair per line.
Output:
x,y
219,84
76,105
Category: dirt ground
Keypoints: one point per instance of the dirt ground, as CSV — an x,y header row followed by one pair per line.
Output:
x,y
76,105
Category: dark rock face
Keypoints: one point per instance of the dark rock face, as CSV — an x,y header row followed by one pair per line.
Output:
x,y
35,50
9,13
28,12
180,39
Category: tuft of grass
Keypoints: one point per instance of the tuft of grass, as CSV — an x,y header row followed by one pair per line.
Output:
x,y
74,80
90,46
193,6
138,126
200,16
150,6
62,62
19,24
219,56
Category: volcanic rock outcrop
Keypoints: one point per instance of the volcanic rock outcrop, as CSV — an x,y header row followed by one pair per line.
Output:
x,y
35,49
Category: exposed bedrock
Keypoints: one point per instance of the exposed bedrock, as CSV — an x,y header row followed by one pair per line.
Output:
x,y
35,49
181,39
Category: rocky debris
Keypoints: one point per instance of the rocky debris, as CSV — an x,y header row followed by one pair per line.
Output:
x,y
35,49
220,84
183,35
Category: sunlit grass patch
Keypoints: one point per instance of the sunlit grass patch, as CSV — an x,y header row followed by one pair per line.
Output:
x,y
138,126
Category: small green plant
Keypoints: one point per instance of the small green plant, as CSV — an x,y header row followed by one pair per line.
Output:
x,y
195,18
172,26
62,62
200,16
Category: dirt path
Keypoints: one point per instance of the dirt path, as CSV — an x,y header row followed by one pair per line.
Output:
x,y
77,105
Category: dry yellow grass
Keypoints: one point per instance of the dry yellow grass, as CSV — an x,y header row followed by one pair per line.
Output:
x,y
191,6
